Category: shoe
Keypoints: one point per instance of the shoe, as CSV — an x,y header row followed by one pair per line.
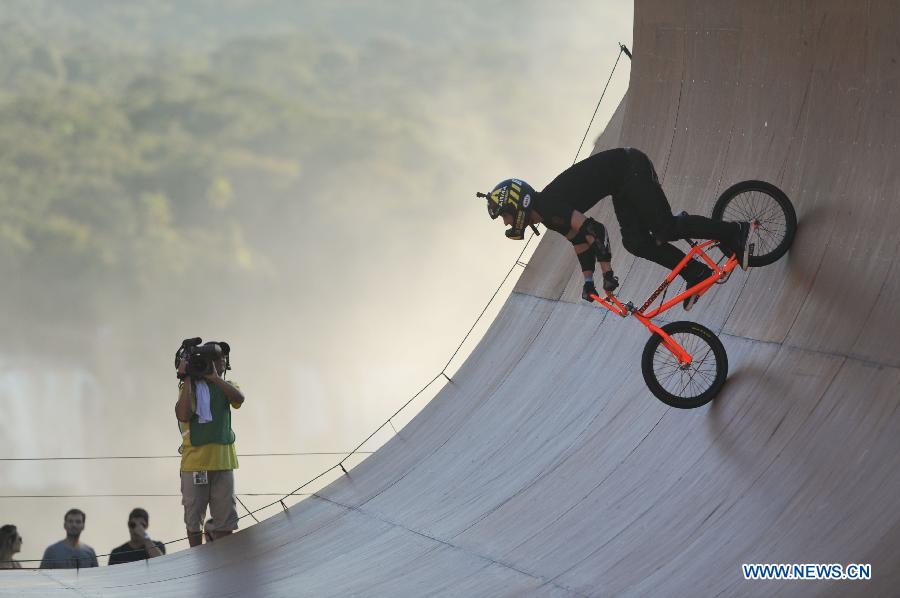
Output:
x,y
742,245
694,273
689,302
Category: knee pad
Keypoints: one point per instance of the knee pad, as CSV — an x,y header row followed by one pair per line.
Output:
x,y
601,243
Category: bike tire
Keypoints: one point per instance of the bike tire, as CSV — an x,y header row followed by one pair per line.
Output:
x,y
769,205
703,379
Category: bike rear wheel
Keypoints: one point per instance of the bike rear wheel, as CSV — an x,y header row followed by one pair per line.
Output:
x,y
685,387
773,211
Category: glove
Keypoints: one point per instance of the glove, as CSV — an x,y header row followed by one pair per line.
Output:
x,y
588,290
610,282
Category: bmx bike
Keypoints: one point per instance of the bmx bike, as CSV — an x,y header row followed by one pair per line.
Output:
x,y
684,363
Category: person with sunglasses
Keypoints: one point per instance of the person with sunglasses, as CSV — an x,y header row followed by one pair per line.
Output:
x,y
10,544
141,546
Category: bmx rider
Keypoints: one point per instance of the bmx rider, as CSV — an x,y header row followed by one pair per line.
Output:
x,y
644,214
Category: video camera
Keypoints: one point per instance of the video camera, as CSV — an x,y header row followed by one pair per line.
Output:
x,y
200,357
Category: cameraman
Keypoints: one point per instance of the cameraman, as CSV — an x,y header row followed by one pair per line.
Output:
x,y
208,456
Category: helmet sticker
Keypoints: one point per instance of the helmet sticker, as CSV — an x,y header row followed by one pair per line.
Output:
x,y
512,197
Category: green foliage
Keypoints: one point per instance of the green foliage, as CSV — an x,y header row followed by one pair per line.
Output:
x,y
132,165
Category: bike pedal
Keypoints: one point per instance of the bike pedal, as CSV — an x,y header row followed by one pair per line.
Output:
x,y
724,277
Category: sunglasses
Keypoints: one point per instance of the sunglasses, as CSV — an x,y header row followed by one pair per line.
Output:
x,y
132,524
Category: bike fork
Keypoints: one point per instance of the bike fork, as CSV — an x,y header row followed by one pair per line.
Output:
x,y
684,358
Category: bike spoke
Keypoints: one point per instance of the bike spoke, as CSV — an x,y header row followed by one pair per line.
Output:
x,y
772,211
693,381
771,220
696,370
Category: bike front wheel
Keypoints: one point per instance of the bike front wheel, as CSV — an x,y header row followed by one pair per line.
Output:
x,y
776,220
694,385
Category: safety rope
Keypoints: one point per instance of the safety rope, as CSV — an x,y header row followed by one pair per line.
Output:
x,y
120,495
622,50
108,458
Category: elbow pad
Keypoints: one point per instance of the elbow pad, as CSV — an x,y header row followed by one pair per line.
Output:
x,y
587,259
595,229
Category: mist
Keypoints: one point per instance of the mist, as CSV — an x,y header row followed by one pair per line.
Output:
x,y
297,179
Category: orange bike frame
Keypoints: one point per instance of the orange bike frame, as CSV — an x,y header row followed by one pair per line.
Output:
x,y
612,303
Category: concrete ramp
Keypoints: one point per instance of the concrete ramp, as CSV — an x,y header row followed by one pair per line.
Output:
x,y
548,469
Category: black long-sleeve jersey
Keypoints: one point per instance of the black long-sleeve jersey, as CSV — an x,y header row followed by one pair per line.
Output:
x,y
580,187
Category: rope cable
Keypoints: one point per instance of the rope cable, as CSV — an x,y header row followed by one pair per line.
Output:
x,y
115,457
117,495
618,56
491,300
249,512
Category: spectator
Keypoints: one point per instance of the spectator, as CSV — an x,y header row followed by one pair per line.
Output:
x,y
208,456
140,546
10,544
70,553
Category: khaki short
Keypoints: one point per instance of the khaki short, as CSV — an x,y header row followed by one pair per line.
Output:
x,y
218,494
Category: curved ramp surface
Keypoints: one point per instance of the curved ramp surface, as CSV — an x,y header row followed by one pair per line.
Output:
x,y
548,469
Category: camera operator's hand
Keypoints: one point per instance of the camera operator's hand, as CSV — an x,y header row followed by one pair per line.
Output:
x,y
182,367
214,374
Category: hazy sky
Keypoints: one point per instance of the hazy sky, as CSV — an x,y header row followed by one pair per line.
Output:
x,y
390,326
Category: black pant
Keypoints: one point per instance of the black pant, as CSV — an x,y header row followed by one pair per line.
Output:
x,y
648,225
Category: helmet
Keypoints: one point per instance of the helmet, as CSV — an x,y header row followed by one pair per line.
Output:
x,y
513,197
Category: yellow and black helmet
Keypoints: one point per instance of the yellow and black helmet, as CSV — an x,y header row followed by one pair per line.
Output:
x,y
513,197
